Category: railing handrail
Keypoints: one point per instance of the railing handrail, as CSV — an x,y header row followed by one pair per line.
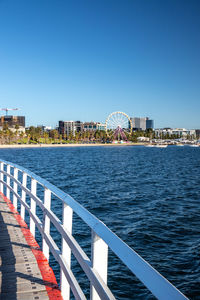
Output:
x,y
154,281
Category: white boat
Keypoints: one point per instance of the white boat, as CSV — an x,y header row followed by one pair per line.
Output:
x,y
161,146
194,145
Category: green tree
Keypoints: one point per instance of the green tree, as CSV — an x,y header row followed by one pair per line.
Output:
x,y
46,136
54,134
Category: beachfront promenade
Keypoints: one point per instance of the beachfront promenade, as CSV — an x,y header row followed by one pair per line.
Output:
x,y
24,271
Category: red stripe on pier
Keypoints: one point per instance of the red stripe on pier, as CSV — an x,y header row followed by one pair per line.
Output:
x,y
46,271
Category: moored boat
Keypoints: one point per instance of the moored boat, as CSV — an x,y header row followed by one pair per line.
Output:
x,y
161,146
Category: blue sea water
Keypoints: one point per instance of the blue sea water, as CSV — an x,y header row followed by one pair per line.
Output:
x,y
149,197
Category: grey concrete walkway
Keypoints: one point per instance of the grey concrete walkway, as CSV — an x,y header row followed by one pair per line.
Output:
x,y
20,277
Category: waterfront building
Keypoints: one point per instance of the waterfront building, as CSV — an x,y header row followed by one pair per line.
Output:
x,y
101,126
135,123
142,123
45,128
93,126
89,126
12,121
69,127
17,130
179,132
149,124
143,139
197,132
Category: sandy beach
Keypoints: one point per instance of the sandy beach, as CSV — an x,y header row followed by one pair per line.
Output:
x,y
67,145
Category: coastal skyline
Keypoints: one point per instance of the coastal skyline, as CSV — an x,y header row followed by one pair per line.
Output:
x,y
62,60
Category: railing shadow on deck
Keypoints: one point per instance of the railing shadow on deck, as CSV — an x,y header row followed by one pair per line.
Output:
x,y
8,273
7,258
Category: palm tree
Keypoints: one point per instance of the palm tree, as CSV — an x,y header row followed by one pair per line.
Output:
x,y
84,135
54,134
64,136
46,135
11,136
77,136
21,135
16,128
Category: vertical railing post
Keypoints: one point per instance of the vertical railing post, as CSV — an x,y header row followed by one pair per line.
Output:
x,y
8,182
66,251
1,177
46,221
15,187
24,181
99,258
33,205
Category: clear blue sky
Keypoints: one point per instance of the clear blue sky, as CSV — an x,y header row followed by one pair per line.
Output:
x,y
82,60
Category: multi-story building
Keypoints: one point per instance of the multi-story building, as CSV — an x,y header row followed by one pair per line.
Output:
x,y
142,123
89,126
179,132
149,124
69,127
135,123
12,121
93,126
197,131
45,128
101,126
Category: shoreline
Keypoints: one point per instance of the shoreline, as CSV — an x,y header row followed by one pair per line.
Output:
x,y
66,145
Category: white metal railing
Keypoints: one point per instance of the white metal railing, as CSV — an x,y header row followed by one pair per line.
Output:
x,y
102,238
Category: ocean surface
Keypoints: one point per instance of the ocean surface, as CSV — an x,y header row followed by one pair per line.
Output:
x,y
150,197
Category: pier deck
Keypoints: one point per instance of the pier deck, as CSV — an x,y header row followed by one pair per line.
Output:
x,y
24,271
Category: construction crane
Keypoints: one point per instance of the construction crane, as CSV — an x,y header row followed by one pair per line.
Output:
x,y
7,109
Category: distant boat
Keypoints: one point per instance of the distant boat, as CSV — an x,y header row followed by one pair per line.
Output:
x,y
194,145
161,146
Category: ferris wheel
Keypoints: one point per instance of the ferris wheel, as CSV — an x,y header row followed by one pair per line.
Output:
x,y
118,125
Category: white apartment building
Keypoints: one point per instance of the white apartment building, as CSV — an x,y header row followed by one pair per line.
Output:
x,y
180,132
